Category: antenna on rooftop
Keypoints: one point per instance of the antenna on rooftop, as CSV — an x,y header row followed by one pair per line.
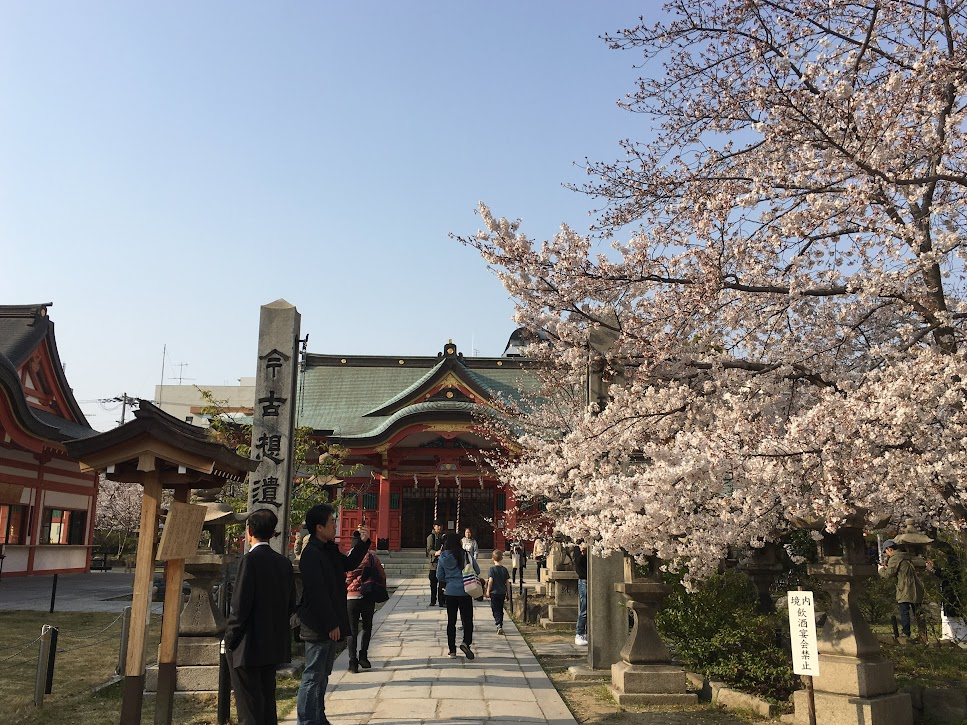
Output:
x,y
181,373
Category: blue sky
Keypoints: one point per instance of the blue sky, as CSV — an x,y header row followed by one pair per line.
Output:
x,y
167,168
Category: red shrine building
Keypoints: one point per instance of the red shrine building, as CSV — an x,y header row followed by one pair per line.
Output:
x,y
412,426
47,505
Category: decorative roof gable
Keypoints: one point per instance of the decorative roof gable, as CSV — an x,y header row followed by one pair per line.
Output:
x,y
448,380
370,398
41,404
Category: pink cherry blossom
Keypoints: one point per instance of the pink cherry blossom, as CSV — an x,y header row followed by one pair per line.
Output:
x,y
782,270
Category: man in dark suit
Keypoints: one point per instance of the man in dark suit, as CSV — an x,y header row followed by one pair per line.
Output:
x,y
258,637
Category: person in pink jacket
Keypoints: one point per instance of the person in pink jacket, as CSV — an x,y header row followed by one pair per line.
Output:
x,y
365,587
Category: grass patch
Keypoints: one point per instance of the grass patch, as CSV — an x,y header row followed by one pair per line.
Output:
x,y
87,654
916,664
591,700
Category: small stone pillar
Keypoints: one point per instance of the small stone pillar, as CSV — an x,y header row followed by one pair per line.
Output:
x,y
607,615
645,675
855,684
562,584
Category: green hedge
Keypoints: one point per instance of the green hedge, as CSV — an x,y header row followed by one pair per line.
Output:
x,y
717,632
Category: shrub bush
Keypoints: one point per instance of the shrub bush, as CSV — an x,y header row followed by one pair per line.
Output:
x,y
717,632
877,600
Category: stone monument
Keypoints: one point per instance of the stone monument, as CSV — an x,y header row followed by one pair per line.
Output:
x,y
607,617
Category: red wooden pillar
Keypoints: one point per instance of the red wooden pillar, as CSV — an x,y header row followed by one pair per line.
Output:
x,y
382,510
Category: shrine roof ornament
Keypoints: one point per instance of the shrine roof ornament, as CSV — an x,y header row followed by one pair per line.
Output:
x,y
450,372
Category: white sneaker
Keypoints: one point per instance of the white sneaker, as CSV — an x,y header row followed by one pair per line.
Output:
x,y
581,640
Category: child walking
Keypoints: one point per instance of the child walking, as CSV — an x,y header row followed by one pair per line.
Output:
x,y
497,589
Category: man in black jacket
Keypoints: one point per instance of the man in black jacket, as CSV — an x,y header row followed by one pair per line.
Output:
x,y
258,638
322,611
434,546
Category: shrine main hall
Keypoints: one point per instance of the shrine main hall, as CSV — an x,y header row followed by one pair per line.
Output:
x,y
412,428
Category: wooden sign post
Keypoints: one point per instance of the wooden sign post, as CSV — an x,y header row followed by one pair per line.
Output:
x,y
133,690
179,540
805,652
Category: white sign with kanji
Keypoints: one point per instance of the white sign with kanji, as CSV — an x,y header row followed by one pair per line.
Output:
x,y
802,627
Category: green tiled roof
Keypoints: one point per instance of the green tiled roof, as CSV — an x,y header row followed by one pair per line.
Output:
x,y
336,396
403,395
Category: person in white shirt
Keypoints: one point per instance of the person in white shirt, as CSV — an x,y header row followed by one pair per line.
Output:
x,y
469,543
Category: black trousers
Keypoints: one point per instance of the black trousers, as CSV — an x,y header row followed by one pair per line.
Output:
x,y
359,609
254,695
436,589
464,605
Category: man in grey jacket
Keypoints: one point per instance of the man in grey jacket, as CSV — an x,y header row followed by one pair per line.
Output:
x,y
902,566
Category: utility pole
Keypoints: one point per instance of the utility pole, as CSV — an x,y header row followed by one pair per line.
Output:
x,y
125,400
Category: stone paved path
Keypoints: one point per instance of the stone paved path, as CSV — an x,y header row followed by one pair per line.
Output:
x,y
414,681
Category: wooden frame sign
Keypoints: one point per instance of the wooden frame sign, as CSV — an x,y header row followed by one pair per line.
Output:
x,y
181,532
10,492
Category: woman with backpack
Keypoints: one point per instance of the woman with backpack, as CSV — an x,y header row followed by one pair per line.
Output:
x,y
449,571
365,587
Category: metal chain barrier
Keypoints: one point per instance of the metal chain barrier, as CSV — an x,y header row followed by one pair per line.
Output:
x,y
10,657
65,635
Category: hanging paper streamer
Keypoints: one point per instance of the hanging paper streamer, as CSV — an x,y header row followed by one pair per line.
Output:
x,y
480,478
416,483
459,492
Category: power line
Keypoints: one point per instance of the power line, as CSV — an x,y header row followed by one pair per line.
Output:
x,y
124,399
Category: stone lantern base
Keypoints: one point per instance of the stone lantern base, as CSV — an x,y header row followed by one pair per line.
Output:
x,y
844,675
197,667
836,709
563,586
200,631
660,684
852,691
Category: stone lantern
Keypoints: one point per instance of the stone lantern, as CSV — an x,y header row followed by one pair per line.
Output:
x,y
202,622
762,565
646,675
855,683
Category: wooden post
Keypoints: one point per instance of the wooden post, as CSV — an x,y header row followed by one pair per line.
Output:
x,y
382,523
811,701
168,651
133,693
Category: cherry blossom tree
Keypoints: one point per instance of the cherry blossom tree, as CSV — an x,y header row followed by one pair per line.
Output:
x,y
784,282
118,516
